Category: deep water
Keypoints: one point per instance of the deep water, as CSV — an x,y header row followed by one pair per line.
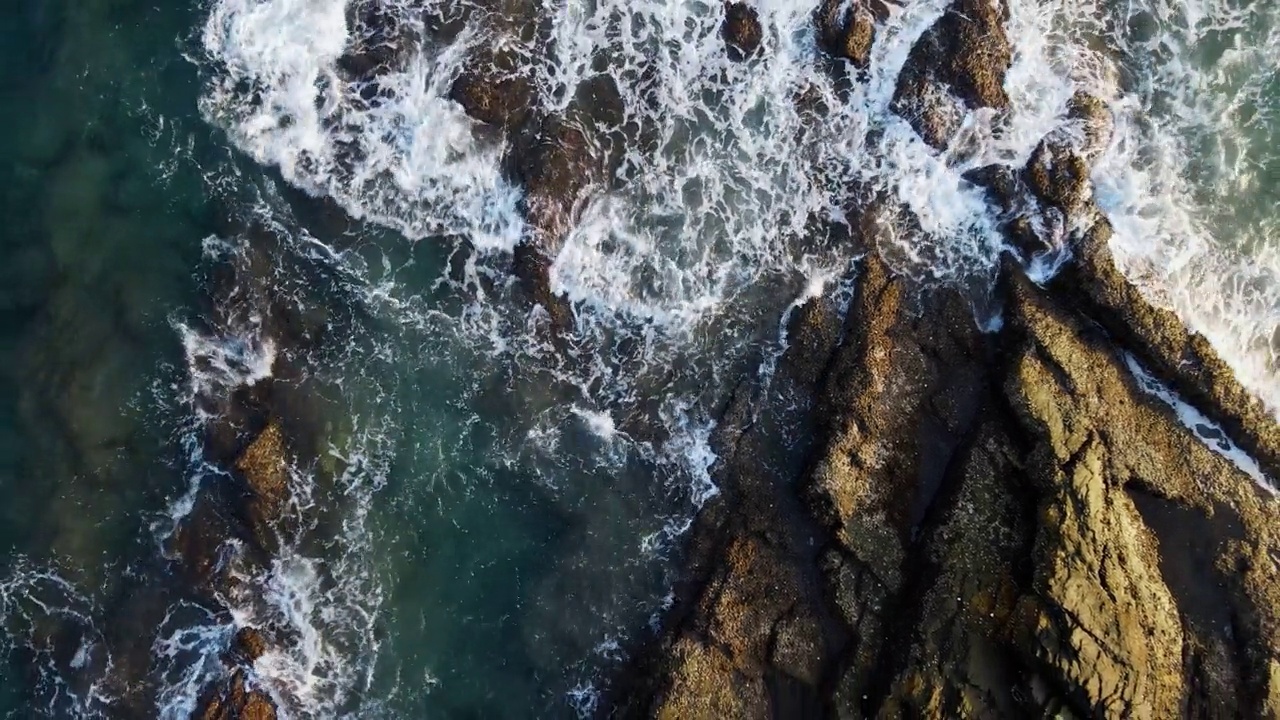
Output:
x,y
100,235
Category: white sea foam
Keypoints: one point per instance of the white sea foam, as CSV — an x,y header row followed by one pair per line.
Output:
x,y
1207,431
1188,182
40,612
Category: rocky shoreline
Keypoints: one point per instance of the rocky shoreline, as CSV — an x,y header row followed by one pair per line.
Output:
x,y
980,524
1002,524
999,525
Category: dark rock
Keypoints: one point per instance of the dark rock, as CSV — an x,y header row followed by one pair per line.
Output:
x,y
532,268
381,42
235,699
249,643
958,63
812,335
848,31
741,30
493,87
568,159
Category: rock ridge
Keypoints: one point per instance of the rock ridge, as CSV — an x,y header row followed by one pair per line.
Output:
x,y
999,524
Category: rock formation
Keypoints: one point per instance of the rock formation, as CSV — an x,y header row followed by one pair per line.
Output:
x,y
978,524
957,65
741,30
256,432
1001,524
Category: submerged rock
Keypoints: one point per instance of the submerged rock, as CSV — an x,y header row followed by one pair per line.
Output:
x,y
570,157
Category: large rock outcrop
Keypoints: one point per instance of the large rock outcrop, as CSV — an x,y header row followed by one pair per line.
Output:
x,y
1013,526
994,525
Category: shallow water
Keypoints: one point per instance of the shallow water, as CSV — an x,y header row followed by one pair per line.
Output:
x,y
493,514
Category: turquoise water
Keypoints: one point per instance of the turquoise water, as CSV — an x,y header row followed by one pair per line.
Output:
x,y
489,513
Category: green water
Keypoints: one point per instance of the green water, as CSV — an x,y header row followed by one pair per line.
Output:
x,y
100,237
496,572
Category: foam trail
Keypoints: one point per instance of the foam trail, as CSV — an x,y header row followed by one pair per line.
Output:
x,y
1206,431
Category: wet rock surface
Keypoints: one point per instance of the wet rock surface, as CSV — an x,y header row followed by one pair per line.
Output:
x,y
959,63
1001,524
236,700
848,30
997,525
741,30
261,431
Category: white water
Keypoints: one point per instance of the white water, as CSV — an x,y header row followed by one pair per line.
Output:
x,y
1206,431
1190,180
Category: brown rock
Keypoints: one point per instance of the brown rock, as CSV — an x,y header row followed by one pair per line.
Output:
x,y
249,643
958,63
1159,339
958,663
265,468
1059,176
741,30
704,684
235,700
1094,122
1109,613
849,31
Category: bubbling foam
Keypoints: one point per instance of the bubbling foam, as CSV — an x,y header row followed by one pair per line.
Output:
x,y
1189,182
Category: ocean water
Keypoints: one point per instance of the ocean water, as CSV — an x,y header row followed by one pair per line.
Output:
x,y
492,511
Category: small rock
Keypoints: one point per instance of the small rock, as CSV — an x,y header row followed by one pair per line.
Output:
x,y
249,643
848,32
265,470
1060,177
741,30
235,700
492,88
964,55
